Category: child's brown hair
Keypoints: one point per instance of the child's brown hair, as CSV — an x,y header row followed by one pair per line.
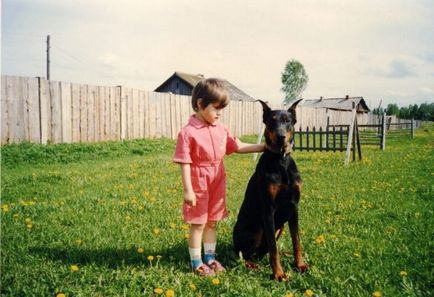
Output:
x,y
211,91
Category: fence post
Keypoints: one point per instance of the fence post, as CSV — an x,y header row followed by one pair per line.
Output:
x,y
320,139
258,141
412,128
327,132
334,138
301,139
314,139
350,134
383,132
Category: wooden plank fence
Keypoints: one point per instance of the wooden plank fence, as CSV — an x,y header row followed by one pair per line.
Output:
x,y
42,111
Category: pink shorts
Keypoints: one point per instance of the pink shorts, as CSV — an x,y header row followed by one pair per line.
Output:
x,y
209,185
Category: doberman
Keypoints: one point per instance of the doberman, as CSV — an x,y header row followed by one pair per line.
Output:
x,y
272,196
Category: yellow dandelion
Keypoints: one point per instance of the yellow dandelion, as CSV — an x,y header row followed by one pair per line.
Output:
x,y
140,250
308,293
403,273
289,295
28,220
156,231
29,226
320,239
170,293
193,287
215,281
60,295
150,258
186,236
172,225
74,268
158,291
5,208
377,294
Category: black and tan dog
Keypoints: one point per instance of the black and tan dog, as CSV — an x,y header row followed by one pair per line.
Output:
x,y
272,196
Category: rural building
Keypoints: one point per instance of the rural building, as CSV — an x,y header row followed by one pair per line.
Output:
x,y
183,84
338,104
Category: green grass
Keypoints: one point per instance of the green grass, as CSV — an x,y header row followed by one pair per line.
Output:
x,y
93,206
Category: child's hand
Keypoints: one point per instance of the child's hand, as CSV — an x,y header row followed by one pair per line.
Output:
x,y
190,198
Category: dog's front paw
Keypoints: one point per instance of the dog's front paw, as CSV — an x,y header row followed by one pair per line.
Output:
x,y
280,276
251,265
302,267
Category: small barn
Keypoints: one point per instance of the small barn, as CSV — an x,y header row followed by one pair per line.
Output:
x,y
331,111
183,84
338,104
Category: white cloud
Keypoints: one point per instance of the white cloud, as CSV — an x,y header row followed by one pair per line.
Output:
x,y
363,48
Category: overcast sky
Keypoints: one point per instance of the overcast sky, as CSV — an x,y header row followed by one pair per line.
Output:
x,y
381,50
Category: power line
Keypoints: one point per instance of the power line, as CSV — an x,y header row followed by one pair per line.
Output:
x,y
65,53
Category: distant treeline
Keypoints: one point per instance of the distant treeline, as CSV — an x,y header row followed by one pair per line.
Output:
x,y
423,112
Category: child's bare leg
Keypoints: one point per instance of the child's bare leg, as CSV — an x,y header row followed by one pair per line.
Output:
x,y
210,232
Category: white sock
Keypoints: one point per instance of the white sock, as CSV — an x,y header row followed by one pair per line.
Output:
x,y
195,257
209,249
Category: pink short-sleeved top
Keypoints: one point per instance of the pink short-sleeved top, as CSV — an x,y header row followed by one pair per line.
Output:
x,y
203,144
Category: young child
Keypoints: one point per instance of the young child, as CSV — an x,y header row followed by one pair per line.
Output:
x,y
200,149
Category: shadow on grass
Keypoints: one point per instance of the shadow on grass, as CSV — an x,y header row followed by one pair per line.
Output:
x,y
115,258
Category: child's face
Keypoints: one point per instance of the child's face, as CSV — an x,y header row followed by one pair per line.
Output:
x,y
210,114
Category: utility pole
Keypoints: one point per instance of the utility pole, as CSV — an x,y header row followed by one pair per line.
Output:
x,y
48,57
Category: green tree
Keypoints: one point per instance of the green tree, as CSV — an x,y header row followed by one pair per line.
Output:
x,y
392,109
424,112
294,80
404,113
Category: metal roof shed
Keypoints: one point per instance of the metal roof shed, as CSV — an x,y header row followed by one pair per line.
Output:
x,y
339,104
183,84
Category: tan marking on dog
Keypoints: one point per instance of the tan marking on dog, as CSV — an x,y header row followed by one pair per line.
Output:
x,y
274,189
298,185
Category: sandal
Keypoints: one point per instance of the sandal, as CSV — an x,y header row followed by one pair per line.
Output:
x,y
216,266
204,270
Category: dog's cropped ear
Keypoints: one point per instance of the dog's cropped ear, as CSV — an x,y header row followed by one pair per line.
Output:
x,y
266,111
265,107
292,110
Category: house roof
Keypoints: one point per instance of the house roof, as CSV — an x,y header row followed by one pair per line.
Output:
x,y
192,79
343,104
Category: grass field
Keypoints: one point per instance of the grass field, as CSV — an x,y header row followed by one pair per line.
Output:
x,y
104,220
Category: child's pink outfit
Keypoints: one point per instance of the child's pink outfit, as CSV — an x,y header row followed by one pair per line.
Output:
x,y
203,146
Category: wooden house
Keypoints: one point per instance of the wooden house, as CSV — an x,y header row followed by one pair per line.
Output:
x,y
183,84
338,104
